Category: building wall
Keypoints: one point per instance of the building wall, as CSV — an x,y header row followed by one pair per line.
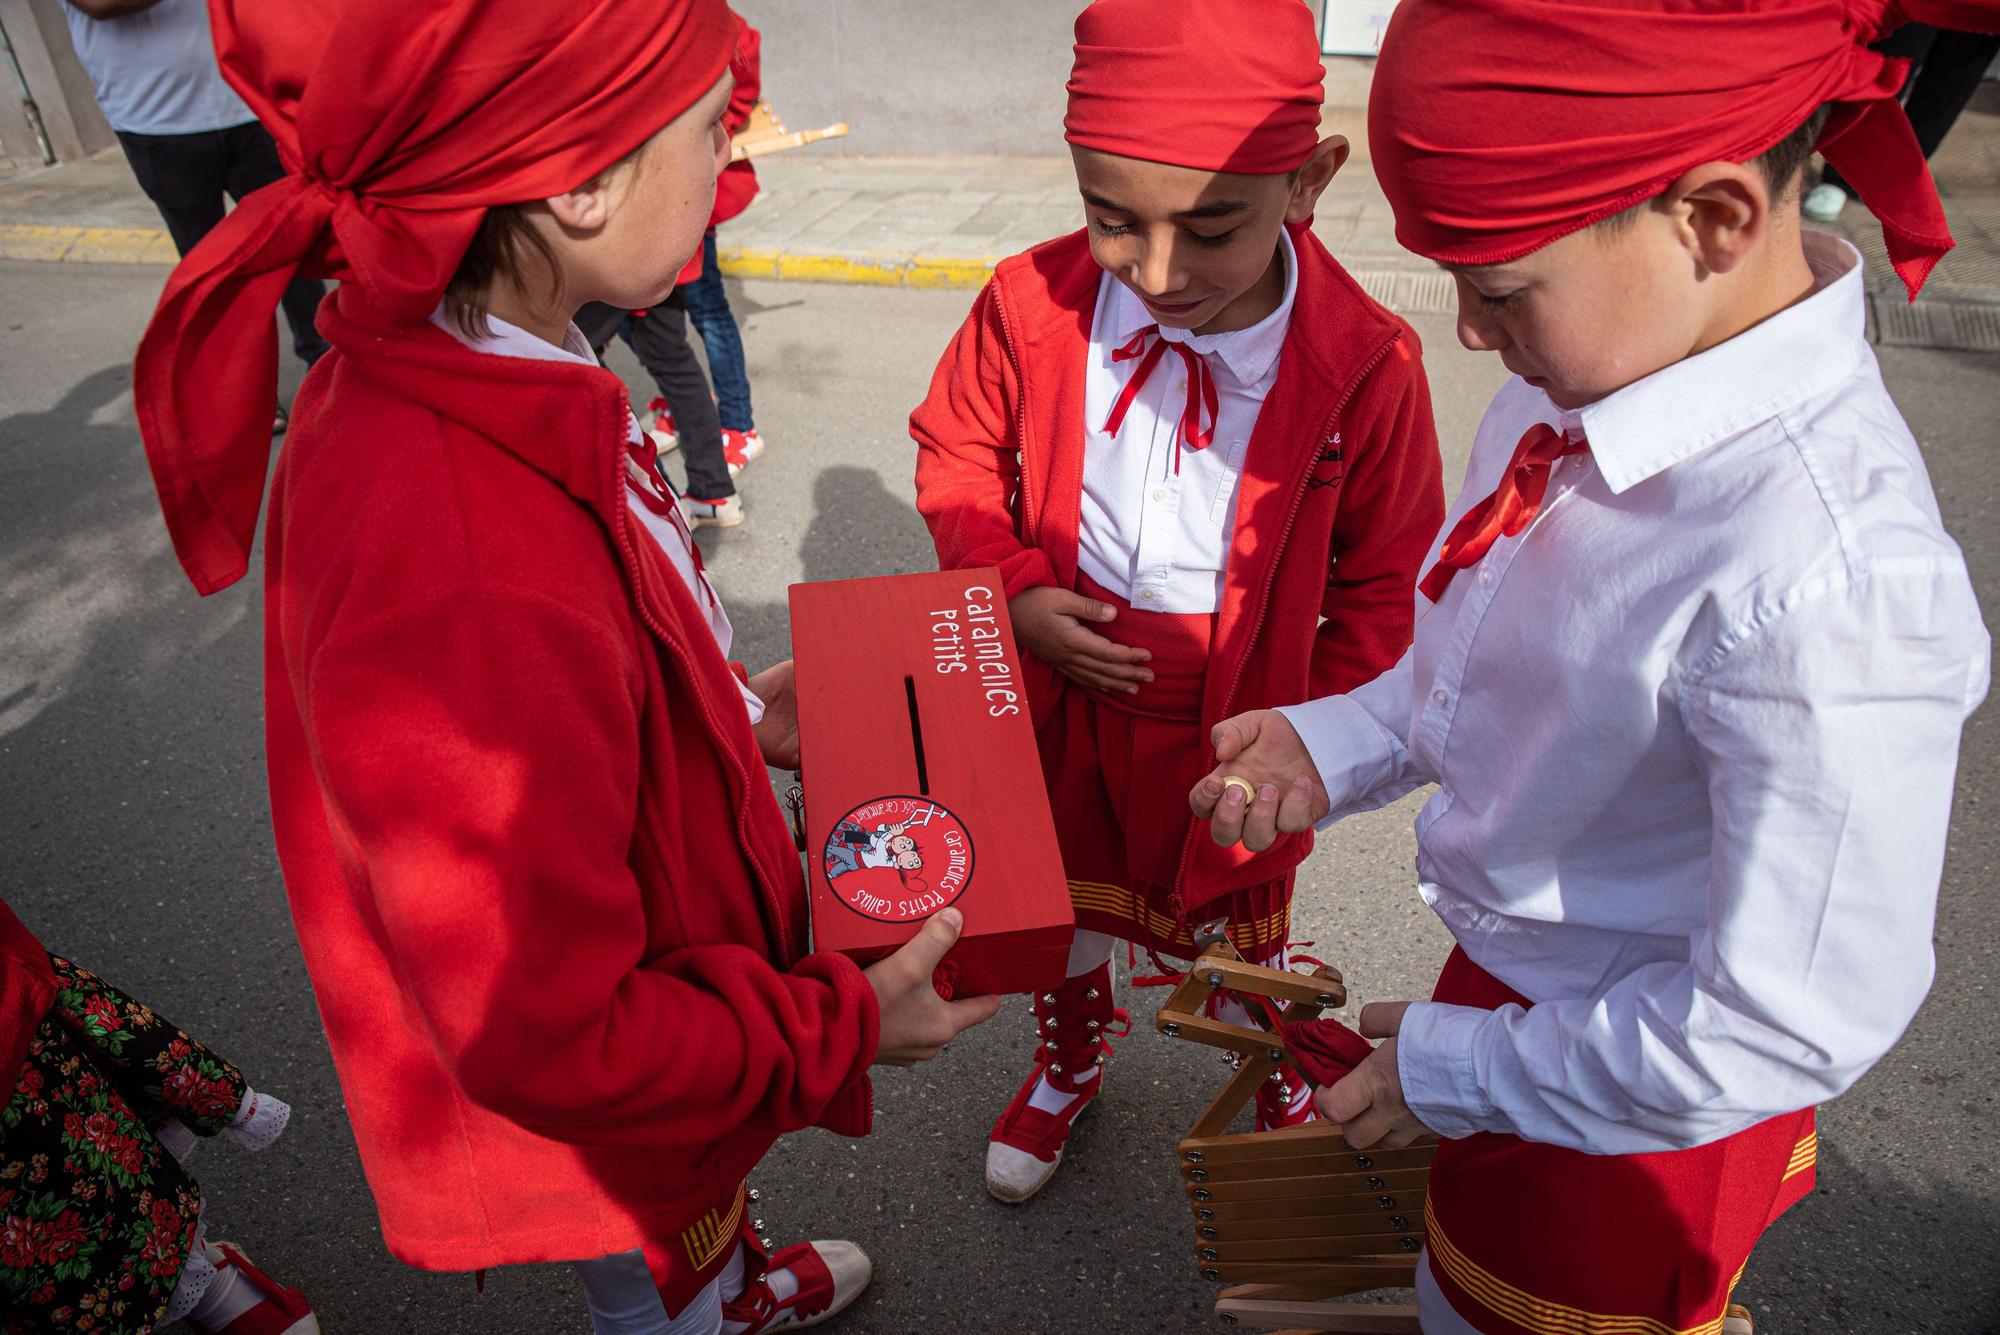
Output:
x,y
56,81
925,77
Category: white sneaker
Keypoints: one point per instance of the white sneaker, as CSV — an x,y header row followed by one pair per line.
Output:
x,y
1825,203
725,513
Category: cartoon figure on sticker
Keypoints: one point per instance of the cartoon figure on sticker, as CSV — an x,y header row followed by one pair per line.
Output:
x,y
898,859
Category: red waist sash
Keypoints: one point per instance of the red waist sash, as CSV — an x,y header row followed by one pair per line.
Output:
x,y
1532,1239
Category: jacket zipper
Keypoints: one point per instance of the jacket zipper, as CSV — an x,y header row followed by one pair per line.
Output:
x,y
1270,582
621,527
1026,516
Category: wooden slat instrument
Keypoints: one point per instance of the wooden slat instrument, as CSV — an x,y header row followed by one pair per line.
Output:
x,y
1292,1220
764,133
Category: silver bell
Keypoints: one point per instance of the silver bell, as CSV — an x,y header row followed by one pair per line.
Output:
x,y
1090,995
1056,1067
766,1243
1277,1077
751,1194
1098,1060
757,1224
1091,1025
1050,1045
1048,998
1049,1023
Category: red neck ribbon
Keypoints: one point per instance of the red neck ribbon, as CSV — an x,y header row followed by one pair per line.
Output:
x,y
1511,508
1149,347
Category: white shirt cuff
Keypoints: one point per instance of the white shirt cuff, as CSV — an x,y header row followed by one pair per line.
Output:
x,y
1434,1060
751,704
1355,755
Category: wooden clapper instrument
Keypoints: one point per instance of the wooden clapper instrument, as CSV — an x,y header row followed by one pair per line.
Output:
x,y
765,133
1293,1219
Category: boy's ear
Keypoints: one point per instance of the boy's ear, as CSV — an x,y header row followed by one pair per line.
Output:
x,y
1721,211
1315,177
584,210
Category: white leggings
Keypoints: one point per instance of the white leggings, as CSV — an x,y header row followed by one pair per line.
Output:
x,y
623,1301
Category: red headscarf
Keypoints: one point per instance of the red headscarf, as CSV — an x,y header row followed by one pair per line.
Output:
x,y
1218,85
405,120
1498,126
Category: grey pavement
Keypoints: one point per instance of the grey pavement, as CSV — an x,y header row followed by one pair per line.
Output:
x,y
136,837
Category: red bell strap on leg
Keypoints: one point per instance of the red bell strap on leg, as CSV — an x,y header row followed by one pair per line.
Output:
x,y
1201,402
1511,508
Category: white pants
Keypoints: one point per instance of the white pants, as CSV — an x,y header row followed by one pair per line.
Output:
x,y
619,1290
1434,1311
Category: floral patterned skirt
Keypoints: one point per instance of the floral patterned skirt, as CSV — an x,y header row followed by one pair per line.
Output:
x,y
96,1217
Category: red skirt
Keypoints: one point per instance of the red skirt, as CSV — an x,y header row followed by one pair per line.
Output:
x,y
1118,769
1529,1239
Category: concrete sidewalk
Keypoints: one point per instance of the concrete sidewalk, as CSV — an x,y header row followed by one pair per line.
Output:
x,y
944,222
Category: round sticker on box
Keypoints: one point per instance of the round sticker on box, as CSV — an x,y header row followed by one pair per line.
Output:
x,y
898,859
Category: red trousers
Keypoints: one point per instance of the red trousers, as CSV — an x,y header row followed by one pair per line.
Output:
x,y
1529,1239
1119,768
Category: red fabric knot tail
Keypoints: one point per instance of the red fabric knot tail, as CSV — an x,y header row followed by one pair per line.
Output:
x,y
1325,1051
205,380
1510,509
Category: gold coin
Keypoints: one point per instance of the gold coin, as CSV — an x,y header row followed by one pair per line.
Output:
x,y
1236,781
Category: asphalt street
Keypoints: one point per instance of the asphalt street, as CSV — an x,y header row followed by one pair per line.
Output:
x,y
134,835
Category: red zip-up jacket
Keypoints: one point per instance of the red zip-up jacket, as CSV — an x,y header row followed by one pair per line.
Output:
x,y
1342,493
554,919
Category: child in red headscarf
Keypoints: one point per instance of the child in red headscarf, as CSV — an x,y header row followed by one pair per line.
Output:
x,y
1203,460
1691,661
501,726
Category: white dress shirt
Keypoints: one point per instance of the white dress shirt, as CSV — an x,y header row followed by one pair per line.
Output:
x,y
1694,732
1157,537
669,532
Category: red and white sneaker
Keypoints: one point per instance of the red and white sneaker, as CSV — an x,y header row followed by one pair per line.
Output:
x,y
741,448
1073,1024
659,424
1286,1099
826,1278
281,1311
725,513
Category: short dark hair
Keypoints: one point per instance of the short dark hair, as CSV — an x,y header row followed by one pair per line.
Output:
x,y
504,240
1782,166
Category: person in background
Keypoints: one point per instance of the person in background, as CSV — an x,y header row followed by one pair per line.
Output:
x,y
1945,70
189,137
101,1228
706,301
658,337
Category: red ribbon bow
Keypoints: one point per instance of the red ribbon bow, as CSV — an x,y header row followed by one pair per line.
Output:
x,y
1149,347
1511,508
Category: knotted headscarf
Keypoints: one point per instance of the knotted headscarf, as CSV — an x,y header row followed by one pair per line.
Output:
x,y
403,121
1498,126
1218,85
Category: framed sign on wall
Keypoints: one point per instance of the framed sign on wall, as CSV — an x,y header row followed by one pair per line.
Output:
x,y
1353,27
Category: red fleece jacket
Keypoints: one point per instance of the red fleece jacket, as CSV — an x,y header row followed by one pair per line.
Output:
x,y
554,919
1341,496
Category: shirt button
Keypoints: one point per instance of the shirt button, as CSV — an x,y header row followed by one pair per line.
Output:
x,y
1440,698
1149,595
1485,575
1159,493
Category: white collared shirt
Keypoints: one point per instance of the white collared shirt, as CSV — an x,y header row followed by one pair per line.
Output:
x,y
1694,732
670,532
1158,537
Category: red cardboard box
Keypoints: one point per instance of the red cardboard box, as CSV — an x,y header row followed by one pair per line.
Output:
x,y
922,784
